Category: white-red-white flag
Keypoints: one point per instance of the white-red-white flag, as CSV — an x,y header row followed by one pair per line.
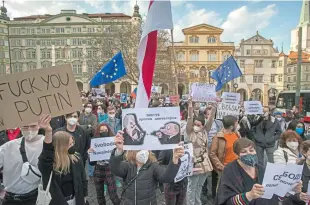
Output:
x,y
159,17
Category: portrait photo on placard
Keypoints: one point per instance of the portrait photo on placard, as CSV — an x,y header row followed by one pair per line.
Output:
x,y
151,128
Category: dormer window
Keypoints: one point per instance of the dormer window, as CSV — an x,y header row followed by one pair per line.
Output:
x,y
194,39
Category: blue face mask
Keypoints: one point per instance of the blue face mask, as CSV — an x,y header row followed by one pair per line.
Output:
x,y
249,159
299,130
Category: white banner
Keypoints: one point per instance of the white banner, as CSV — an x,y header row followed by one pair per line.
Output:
x,y
280,179
227,109
186,167
103,148
253,107
202,92
233,98
151,128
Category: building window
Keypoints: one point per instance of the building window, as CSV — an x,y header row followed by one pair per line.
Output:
x,y
30,31
307,68
46,42
17,67
294,78
77,53
2,69
91,30
60,30
46,64
258,64
307,77
16,42
273,64
212,57
30,42
46,30
289,79
31,66
180,56
77,68
17,54
194,39
76,30
295,69
31,54
280,78
242,79
194,55
225,56
257,79
280,63
272,78
15,31
211,40
60,54
248,52
77,42
289,70
60,42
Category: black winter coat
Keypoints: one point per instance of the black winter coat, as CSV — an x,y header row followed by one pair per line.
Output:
x,y
45,165
142,191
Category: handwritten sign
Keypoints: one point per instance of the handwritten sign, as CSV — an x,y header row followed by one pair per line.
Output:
x,y
253,108
280,179
227,109
233,98
186,167
151,128
25,96
202,92
124,97
103,148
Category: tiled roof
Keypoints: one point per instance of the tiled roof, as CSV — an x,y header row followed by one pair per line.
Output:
x,y
293,56
282,54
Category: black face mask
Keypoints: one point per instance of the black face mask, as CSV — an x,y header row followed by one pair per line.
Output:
x,y
104,134
71,150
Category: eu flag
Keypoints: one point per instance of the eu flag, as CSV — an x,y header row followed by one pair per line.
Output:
x,y
111,71
226,72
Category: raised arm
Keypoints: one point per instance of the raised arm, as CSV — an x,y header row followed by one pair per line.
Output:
x,y
190,120
210,119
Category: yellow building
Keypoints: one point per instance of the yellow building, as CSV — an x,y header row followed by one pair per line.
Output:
x,y
199,54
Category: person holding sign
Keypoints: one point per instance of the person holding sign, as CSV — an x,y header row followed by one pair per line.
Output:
x,y
197,132
62,168
19,160
141,172
102,174
240,183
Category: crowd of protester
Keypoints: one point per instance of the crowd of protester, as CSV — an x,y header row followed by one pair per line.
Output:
x,y
229,157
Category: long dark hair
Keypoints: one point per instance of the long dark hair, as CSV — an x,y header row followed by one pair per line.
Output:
x,y
110,131
292,126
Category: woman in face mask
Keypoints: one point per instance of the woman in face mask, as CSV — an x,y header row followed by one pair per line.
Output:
x,y
102,175
141,172
288,151
60,163
246,167
299,128
102,116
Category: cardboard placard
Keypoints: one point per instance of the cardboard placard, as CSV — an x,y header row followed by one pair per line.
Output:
x,y
26,96
224,109
186,167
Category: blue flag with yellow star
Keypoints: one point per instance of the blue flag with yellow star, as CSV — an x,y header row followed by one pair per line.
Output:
x,y
226,72
111,71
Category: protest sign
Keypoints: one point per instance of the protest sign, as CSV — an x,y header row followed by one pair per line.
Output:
x,y
186,166
202,92
27,95
233,98
280,179
253,107
227,109
124,97
103,148
151,128
156,89
174,99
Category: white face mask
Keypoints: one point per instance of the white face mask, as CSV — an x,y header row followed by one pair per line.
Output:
x,y
88,110
112,116
197,129
30,135
279,118
142,156
72,121
292,145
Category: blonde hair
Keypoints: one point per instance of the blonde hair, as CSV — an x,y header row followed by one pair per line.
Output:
x,y
131,156
62,158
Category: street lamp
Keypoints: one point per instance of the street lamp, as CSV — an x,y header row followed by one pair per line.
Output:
x,y
235,87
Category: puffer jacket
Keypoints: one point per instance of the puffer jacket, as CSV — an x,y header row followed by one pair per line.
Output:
x,y
284,156
141,190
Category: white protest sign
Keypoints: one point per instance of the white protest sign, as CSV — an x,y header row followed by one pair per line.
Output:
x,y
124,97
202,92
253,107
103,148
233,98
280,179
186,167
224,109
151,128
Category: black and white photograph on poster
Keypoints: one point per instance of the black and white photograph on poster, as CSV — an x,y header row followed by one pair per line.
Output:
x,y
186,167
151,128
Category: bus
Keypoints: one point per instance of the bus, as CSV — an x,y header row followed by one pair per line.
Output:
x,y
286,101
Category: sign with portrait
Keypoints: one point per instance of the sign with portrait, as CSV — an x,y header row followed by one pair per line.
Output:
x,y
186,167
124,97
151,128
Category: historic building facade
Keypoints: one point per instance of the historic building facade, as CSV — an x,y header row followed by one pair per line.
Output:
x,y
199,54
258,61
42,41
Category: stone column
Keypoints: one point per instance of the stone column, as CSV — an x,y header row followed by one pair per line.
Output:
x,y
53,55
38,52
265,95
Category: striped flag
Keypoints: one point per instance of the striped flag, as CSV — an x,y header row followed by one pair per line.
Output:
x,y
159,17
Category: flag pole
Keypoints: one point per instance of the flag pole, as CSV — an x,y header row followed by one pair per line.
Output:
x,y
175,64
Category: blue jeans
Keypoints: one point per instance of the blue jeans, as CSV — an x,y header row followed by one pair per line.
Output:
x,y
194,188
91,170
